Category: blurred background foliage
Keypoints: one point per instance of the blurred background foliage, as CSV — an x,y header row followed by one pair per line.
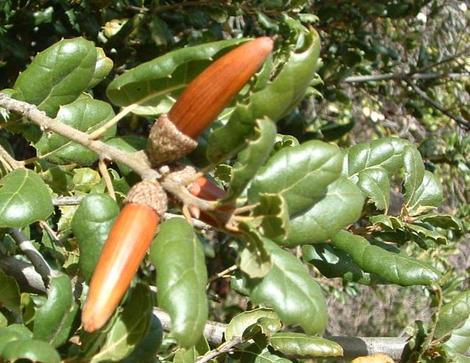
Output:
x,y
389,68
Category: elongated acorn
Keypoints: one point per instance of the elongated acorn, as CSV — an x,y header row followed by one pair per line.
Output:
x,y
208,94
172,136
123,251
205,189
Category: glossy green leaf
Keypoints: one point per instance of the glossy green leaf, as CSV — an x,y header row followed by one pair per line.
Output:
x,y
91,225
242,321
276,100
387,222
58,75
414,171
256,152
333,262
272,216
426,232
302,345
428,195
181,279
146,350
24,199
395,268
9,293
84,114
342,205
290,290
299,174
31,349
129,328
103,66
375,184
386,153
459,340
255,261
453,314
7,336
128,143
155,84
54,319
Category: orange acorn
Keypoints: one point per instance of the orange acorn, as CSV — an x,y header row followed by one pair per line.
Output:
x,y
205,189
133,232
208,94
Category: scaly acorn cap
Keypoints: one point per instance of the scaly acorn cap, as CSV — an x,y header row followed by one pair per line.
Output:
x,y
149,193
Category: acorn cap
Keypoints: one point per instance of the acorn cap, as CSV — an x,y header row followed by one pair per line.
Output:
x,y
149,193
166,143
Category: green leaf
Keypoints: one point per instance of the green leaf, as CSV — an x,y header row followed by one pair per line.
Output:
x,y
386,153
58,75
453,314
333,262
272,215
91,225
342,205
258,147
396,269
181,279
255,261
375,184
459,340
242,321
54,319
84,114
155,84
24,199
129,328
103,66
302,345
9,293
414,172
146,350
300,174
290,290
276,100
31,349
428,195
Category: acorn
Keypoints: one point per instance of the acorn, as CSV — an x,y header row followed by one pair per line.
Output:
x,y
123,251
173,135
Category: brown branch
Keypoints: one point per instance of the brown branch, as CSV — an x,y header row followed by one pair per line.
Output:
x,y
402,76
25,245
24,273
32,113
352,346
464,124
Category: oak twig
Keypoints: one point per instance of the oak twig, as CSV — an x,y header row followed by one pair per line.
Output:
x,y
32,113
24,273
459,120
39,263
352,346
